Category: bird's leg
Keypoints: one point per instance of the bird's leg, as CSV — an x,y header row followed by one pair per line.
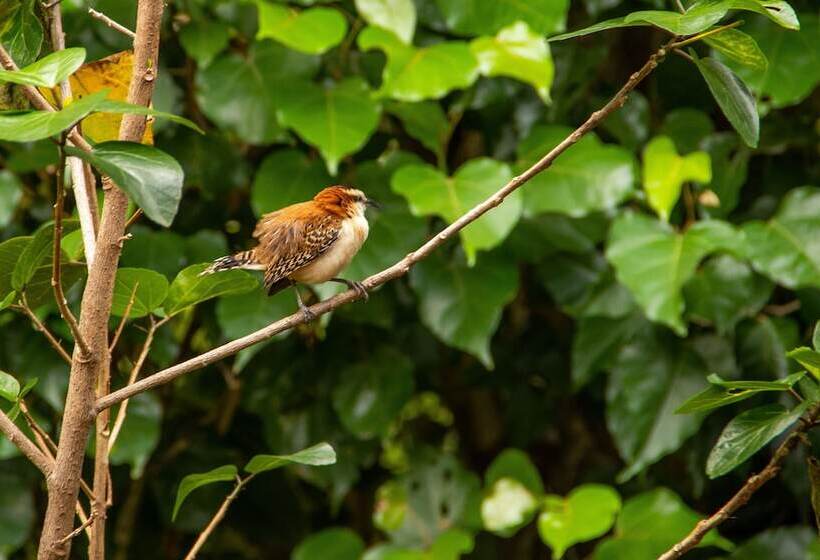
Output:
x,y
309,315
353,285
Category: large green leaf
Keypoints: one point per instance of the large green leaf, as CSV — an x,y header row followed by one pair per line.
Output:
x,y
37,254
479,17
738,47
588,512
588,177
9,387
28,126
373,392
10,193
337,119
330,544
808,358
733,97
425,121
779,11
140,433
462,305
191,482
649,524
418,73
398,16
430,192
318,455
794,60
152,178
21,32
311,31
664,173
148,288
747,433
238,93
516,464
518,52
48,71
721,393
203,39
287,177
189,288
654,262
787,247
649,382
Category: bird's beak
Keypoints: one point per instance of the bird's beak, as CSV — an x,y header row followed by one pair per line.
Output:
x,y
372,203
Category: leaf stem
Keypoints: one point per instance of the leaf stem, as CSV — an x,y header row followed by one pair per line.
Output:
x,y
707,33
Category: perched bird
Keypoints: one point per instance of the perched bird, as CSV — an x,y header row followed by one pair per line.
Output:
x,y
309,242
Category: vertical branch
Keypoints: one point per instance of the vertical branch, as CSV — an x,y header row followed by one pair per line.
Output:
x,y
79,412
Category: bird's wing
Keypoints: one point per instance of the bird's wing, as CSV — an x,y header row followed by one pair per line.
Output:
x,y
291,238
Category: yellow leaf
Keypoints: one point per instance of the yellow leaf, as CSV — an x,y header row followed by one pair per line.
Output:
x,y
114,74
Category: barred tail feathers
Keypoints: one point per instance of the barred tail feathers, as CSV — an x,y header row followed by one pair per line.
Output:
x,y
245,259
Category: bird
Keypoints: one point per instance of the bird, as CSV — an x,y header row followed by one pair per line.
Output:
x,y
306,243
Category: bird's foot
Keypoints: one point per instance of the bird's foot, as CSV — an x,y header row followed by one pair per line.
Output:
x,y
358,287
309,315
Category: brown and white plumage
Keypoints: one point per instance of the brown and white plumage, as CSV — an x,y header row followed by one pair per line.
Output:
x,y
309,242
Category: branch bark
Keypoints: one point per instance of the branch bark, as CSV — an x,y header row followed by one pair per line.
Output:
x,y
752,485
63,484
400,268
25,445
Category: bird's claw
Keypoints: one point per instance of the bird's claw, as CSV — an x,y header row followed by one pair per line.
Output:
x,y
309,315
360,289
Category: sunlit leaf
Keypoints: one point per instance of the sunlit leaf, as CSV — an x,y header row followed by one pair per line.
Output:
x,y
588,512
318,455
738,47
478,17
312,31
28,126
398,16
664,173
189,288
48,71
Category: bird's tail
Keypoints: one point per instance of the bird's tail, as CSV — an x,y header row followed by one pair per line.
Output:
x,y
245,259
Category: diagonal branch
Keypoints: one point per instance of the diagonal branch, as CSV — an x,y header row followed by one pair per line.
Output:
x,y
25,445
400,268
746,492
40,326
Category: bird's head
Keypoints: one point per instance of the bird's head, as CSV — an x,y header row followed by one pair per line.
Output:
x,y
346,202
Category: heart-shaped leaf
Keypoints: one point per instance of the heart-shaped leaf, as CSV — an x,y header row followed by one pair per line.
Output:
x,y
287,177
430,192
518,52
203,39
318,455
588,512
152,178
311,31
338,119
148,288
225,473
398,16
480,17
733,97
189,288
28,126
48,71
664,173
415,74
425,121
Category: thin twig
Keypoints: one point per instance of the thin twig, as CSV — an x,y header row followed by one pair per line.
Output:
x,y
110,22
745,493
124,318
218,516
133,219
56,278
40,326
25,445
78,530
398,269
783,309
684,54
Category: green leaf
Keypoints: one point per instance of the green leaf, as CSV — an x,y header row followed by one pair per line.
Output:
x,y
425,121
338,119
140,433
225,473
415,74
239,93
794,59
430,192
779,11
808,358
330,544
508,506
373,392
189,288
747,433
398,16
518,52
588,177
37,254
648,383
739,47
797,542
615,23
588,512
654,262
724,291
515,464
664,173
721,393
597,342
48,71
148,288
152,178
311,31
286,177
28,126
9,387
815,339
688,128
116,106
8,300
649,524
17,509
787,247
203,39
10,193
21,32
462,305
734,98
478,17
317,455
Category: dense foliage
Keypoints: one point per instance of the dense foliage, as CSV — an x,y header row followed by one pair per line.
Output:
x,y
585,371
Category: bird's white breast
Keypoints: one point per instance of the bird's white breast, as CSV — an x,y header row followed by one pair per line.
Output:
x,y
328,265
